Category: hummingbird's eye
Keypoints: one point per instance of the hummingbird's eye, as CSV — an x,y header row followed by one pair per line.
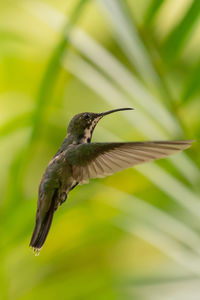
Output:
x,y
86,116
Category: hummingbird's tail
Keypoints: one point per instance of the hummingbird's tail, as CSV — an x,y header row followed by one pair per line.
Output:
x,y
41,229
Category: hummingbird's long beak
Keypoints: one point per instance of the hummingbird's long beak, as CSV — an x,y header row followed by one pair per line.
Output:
x,y
114,110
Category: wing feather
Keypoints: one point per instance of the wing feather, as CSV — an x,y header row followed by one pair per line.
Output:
x,y
101,159
105,166
92,171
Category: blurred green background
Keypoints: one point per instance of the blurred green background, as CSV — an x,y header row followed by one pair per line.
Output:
x,y
134,235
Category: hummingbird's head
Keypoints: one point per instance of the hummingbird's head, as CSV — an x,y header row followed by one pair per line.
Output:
x,y
82,125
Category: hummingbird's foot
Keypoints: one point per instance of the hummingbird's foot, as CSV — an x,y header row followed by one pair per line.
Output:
x,y
74,185
63,197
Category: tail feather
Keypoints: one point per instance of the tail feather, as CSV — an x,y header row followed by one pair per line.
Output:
x,y
41,229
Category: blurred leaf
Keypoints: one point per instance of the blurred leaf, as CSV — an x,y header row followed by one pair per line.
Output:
x,y
181,193
15,123
180,33
191,86
163,242
129,40
152,10
140,210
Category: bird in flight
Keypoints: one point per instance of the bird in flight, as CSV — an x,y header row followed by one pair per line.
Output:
x,y
78,160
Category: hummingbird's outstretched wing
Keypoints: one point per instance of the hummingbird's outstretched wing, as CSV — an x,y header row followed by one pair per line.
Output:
x,y
101,159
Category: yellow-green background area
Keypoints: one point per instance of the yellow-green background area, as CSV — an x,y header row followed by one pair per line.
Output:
x,y
134,235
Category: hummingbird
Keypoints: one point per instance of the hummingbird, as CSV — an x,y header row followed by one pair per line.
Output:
x,y
78,160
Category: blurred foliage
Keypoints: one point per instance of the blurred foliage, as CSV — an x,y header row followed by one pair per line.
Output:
x,y
134,235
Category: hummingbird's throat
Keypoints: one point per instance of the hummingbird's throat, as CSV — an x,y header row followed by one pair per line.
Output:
x,y
88,131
